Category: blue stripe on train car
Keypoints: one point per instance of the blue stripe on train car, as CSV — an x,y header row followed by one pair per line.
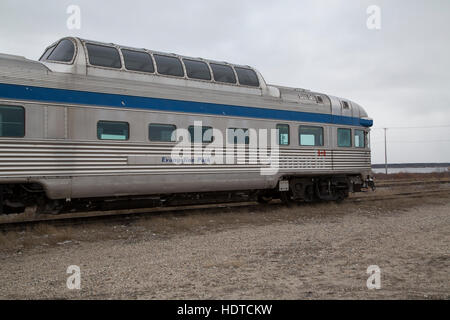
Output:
x,y
32,93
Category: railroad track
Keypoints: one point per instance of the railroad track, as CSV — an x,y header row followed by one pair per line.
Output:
x,y
410,182
21,221
409,194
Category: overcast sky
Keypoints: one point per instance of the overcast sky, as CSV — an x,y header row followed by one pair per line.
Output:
x,y
400,73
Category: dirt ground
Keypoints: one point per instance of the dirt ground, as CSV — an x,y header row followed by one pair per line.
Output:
x,y
316,251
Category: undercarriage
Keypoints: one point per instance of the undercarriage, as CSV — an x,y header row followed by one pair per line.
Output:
x,y
16,198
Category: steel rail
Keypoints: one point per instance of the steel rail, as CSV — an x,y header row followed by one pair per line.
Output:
x,y
20,222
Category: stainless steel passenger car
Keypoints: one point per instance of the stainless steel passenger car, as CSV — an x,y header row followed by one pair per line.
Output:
x,y
91,122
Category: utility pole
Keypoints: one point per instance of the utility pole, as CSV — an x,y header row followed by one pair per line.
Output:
x,y
385,152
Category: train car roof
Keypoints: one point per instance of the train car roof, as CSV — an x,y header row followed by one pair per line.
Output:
x,y
78,63
83,42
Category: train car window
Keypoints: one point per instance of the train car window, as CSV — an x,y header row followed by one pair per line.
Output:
x,y
206,134
311,136
103,56
360,138
247,77
137,61
197,69
161,132
46,54
345,105
283,134
319,99
12,121
113,130
63,52
344,137
238,136
170,66
223,73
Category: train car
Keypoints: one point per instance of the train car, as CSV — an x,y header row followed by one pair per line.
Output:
x,y
92,123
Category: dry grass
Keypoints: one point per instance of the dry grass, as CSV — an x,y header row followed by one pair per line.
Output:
x,y
233,263
203,221
8,240
42,234
412,176
199,221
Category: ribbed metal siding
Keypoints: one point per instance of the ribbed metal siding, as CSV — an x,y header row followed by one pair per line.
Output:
x,y
351,159
59,158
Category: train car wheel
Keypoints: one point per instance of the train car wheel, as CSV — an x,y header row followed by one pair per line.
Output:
x,y
286,198
264,199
